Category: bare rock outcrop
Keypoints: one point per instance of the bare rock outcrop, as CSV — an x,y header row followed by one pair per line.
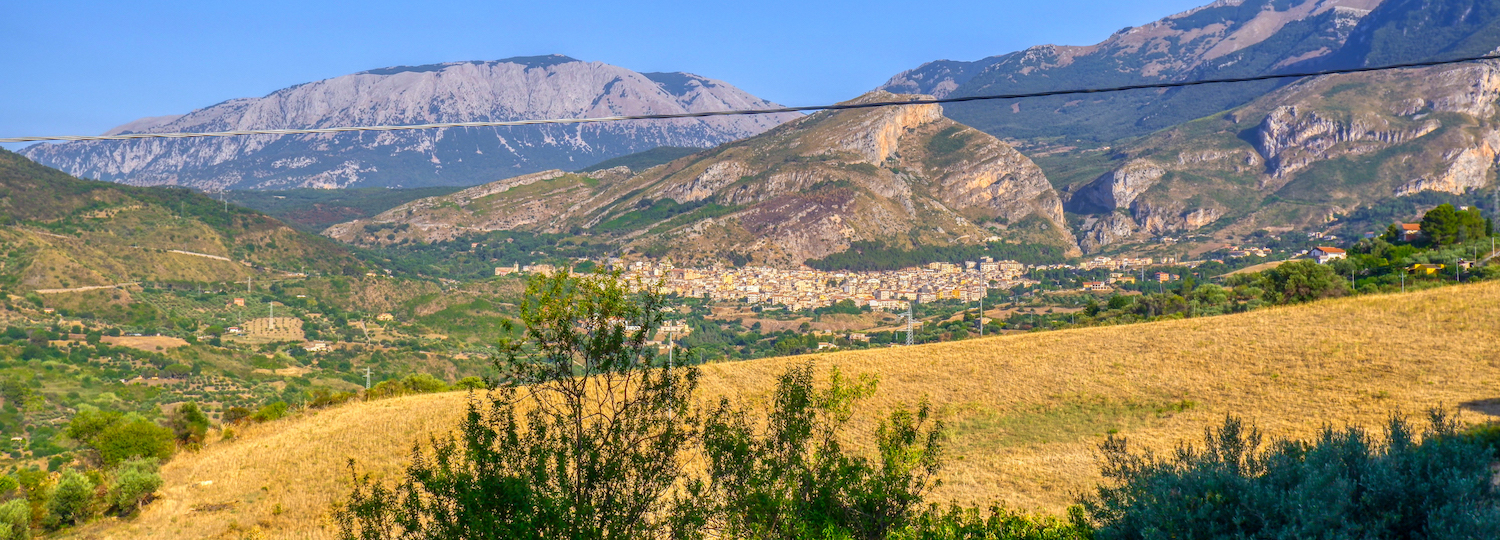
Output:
x,y
1291,138
1120,187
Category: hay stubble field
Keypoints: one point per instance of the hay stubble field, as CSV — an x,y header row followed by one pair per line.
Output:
x,y
1025,412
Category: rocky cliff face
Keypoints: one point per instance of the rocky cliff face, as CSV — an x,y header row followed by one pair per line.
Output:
x,y
1120,187
512,89
1303,155
906,176
1228,38
1290,139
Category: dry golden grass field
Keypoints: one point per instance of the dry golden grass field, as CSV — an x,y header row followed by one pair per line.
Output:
x,y
1026,411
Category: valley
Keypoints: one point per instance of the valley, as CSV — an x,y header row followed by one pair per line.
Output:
x,y
824,323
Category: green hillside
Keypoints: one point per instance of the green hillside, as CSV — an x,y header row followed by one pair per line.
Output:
x,y
62,232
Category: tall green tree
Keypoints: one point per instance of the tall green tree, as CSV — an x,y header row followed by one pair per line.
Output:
x,y
1446,225
581,437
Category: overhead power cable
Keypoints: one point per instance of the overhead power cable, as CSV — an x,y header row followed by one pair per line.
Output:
x,y
746,112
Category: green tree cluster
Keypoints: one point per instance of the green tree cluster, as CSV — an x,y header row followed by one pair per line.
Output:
x,y
116,437
1446,225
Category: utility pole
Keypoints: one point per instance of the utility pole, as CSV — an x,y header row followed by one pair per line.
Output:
x,y
908,323
671,349
981,314
367,377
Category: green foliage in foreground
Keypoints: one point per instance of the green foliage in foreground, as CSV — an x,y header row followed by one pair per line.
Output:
x,y
601,448
589,460
1344,484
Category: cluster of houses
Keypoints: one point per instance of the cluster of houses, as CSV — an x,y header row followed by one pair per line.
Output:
x,y
804,288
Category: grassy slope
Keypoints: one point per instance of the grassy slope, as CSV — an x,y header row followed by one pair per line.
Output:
x,y
1027,410
66,232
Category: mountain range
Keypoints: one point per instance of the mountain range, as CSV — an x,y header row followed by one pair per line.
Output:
x,y
521,88
1078,174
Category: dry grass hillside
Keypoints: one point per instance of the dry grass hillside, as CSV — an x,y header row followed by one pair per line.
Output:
x,y
1026,410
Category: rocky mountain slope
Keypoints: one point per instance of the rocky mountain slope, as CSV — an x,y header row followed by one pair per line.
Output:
x,y
511,89
1228,38
1232,158
1302,156
902,176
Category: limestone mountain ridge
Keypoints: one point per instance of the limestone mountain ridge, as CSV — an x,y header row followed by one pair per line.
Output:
x,y
511,89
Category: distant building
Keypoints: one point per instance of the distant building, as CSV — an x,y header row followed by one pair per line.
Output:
x,y
385,317
1410,231
239,302
1325,255
507,270
1097,286
1426,269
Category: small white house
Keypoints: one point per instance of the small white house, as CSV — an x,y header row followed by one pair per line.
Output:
x,y
1325,255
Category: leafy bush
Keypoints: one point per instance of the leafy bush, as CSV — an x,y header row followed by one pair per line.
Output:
x,y
15,520
137,438
586,462
234,415
420,383
270,412
959,523
189,424
1344,484
134,483
72,500
793,479
1296,282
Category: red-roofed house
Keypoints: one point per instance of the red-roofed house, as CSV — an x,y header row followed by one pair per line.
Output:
x,y
1410,231
1324,255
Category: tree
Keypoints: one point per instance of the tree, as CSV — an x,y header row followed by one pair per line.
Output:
x,y
1446,225
134,483
1296,282
15,520
189,424
133,438
72,500
598,448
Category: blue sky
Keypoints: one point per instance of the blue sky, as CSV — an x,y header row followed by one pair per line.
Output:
x,y
83,67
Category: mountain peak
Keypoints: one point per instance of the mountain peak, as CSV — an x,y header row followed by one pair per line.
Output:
x,y
520,88
529,62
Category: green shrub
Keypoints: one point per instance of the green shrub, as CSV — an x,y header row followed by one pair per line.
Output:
x,y
189,424
793,479
15,520
273,411
958,523
72,500
1344,484
234,415
134,439
420,383
134,483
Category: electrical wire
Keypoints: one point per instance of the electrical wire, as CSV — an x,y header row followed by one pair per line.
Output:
x,y
746,112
